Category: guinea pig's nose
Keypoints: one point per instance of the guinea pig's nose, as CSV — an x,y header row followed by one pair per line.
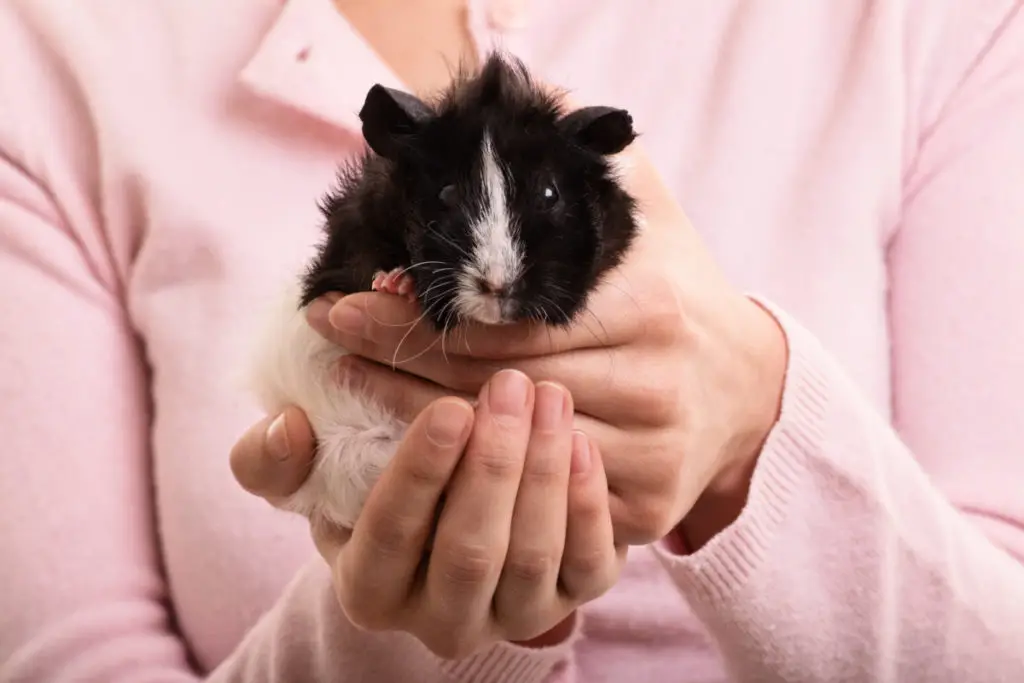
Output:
x,y
493,287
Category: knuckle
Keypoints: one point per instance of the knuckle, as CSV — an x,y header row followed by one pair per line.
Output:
x,y
590,564
661,470
648,520
665,322
587,509
390,534
534,565
497,460
466,564
660,403
544,468
426,472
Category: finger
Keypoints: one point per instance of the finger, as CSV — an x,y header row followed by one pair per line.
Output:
x,y
591,563
637,489
362,320
401,392
473,532
528,590
608,382
273,457
378,565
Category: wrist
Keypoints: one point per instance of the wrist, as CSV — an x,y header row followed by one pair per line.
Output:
x,y
718,506
768,354
725,496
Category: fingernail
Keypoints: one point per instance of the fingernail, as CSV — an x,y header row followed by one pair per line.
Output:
x,y
447,422
347,319
580,453
277,439
333,297
507,393
550,406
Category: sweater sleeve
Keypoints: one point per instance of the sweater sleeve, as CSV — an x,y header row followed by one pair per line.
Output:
x,y
873,549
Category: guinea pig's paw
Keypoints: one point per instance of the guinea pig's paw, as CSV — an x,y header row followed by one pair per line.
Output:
x,y
395,281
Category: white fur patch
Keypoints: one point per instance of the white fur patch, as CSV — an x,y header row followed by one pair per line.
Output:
x,y
497,254
357,438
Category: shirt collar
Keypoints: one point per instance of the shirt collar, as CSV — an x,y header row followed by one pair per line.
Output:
x,y
315,61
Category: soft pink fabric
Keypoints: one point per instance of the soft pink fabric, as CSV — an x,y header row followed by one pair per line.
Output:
x,y
857,165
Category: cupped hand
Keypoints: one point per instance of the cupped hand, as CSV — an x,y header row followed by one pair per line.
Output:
x,y
523,532
677,375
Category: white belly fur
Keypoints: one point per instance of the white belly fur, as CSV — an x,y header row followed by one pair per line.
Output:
x,y
357,437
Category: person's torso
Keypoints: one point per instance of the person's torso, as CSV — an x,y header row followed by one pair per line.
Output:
x,y
782,128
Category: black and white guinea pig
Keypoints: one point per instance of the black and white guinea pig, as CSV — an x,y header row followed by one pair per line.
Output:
x,y
490,205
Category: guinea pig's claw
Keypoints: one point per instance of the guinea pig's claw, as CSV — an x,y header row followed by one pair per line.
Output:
x,y
396,282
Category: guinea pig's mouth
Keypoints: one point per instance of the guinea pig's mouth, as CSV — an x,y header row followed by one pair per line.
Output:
x,y
489,309
487,294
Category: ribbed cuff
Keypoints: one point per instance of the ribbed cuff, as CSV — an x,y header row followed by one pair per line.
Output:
x,y
723,565
508,663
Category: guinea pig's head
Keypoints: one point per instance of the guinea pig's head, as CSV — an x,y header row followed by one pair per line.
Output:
x,y
517,210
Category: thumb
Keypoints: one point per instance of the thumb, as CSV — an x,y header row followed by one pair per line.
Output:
x,y
273,457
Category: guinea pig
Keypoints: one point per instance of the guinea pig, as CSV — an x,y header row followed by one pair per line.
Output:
x,y
489,205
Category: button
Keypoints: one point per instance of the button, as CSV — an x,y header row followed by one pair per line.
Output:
x,y
506,15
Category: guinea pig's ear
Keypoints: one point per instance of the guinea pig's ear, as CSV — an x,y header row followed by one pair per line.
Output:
x,y
604,130
390,115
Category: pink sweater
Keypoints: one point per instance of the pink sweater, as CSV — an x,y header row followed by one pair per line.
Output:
x,y
858,164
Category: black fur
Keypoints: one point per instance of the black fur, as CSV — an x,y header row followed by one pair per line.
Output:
x,y
389,211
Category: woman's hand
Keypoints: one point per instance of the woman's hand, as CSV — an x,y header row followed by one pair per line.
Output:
x,y
524,533
675,374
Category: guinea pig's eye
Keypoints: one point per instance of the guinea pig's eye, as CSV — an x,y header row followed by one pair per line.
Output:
x,y
549,194
448,195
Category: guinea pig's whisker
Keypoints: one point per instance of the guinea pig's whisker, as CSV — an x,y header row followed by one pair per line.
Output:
x,y
432,297
394,358
434,285
447,318
581,320
607,337
465,340
554,305
451,321
606,344
544,319
420,264
422,352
